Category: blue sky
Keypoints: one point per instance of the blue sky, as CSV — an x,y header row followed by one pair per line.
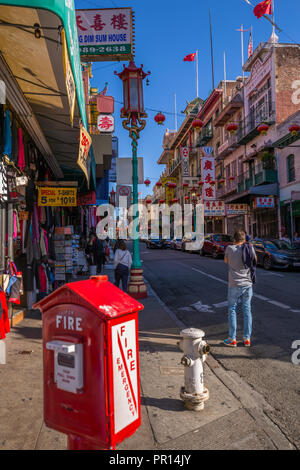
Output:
x,y
166,31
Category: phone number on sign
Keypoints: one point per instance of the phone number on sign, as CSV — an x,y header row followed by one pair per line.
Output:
x,y
102,49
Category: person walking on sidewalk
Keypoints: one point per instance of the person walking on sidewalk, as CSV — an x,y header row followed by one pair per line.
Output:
x,y
241,260
122,265
99,254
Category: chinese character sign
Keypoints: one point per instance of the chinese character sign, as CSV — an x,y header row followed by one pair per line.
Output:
x,y
69,79
265,202
106,123
105,33
236,209
84,147
214,209
208,176
185,158
169,192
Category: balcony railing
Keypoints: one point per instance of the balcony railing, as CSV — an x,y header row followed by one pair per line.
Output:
x,y
266,176
227,146
227,188
205,135
174,165
248,126
246,180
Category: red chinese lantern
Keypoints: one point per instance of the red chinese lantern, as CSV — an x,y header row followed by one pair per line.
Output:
x,y
193,189
175,200
159,118
263,129
231,178
159,183
232,128
200,183
198,194
161,201
171,185
294,129
186,198
148,201
185,185
212,182
197,124
221,181
147,182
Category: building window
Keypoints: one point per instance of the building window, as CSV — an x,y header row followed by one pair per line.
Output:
x,y
290,168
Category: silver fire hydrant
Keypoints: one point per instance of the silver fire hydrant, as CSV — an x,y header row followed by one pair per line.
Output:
x,y
195,349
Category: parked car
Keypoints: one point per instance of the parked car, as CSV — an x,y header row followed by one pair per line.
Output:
x,y
156,243
176,244
187,241
215,244
168,243
274,253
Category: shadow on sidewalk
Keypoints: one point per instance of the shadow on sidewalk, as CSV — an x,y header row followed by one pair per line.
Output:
x,y
29,332
151,334
169,404
151,346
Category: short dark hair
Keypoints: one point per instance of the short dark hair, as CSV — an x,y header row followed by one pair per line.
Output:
x,y
122,245
239,236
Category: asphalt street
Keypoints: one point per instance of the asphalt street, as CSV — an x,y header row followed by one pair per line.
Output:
x,y
194,288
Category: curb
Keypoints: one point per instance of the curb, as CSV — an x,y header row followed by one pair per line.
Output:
x,y
17,317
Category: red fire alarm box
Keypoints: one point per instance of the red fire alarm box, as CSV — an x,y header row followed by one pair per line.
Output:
x,y
91,363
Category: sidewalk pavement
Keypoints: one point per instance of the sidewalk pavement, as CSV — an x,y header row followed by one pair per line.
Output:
x,y
233,418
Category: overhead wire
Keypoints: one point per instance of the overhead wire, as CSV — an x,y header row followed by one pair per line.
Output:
x,y
159,110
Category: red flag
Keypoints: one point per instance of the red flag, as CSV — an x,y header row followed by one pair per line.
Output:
x,y
190,57
263,8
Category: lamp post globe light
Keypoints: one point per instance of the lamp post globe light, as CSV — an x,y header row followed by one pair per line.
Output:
x,y
133,113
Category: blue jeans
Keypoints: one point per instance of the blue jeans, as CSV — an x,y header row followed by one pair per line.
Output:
x,y
245,294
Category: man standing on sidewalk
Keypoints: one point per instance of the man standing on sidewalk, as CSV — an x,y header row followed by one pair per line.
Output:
x,y
240,282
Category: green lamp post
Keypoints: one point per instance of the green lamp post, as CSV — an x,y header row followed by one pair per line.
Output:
x,y
133,112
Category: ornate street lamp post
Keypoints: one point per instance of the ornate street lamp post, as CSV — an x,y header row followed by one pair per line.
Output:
x,y
133,112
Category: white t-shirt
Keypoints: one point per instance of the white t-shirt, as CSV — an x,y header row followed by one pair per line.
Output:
x,y
122,257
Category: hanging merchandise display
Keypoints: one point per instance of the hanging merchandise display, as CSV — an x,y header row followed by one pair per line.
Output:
x,y
15,286
4,318
45,226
